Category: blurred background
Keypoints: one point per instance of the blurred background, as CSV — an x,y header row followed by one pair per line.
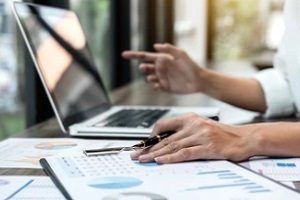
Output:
x,y
211,31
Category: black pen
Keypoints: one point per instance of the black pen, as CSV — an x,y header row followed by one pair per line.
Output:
x,y
142,145
153,140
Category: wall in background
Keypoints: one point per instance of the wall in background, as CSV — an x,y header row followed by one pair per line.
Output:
x,y
190,28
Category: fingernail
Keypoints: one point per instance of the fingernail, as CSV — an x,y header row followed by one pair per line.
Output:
x,y
135,155
144,158
159,159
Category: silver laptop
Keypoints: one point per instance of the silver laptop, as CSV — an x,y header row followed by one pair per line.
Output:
x,y
76,92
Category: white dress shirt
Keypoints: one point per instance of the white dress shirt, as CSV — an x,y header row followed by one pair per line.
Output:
x,y
281,84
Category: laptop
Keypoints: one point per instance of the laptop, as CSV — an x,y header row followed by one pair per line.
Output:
x,y
59,50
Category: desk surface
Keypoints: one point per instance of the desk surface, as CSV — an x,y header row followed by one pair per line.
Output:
x,y
139,93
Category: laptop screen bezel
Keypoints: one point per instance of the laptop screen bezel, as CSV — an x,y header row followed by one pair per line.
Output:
x,y
64,122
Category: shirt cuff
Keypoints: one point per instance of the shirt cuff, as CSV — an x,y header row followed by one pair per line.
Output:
x,y
277,93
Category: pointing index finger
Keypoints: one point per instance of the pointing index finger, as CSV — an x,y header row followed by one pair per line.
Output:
x,y
141,55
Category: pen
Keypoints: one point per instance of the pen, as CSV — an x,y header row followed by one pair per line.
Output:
x,y
142,145
153,140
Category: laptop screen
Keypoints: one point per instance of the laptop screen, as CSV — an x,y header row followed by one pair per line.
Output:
x,y
59,49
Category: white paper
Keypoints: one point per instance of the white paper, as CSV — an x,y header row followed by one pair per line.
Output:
x,y
26,152
279,169
28,187
113,177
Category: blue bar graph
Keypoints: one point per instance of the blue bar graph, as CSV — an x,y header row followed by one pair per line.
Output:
x,y
258,191
286,164
221,186
241,180
229,179
227,174
214,172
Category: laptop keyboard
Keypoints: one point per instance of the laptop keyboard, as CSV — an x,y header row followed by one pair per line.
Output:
x,y
133,118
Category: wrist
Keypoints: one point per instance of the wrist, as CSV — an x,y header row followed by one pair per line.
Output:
x,y
203,80
254,141
246,145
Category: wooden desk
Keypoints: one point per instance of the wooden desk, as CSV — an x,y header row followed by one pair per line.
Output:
x,y
139,93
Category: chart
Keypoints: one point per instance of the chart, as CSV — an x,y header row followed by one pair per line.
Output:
x,y
115,182
56,145
28,187
26,152
229,179
279,169
110,177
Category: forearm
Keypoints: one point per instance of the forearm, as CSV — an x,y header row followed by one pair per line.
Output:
x,y
241,92
273,139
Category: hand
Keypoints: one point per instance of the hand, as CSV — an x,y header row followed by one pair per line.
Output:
x,y
169,70
197,138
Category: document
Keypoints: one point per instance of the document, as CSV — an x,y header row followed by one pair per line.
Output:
x,y
26,152
112,177
28,187
280,169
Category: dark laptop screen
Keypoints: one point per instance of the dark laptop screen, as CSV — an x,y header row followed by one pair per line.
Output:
x,y
59,49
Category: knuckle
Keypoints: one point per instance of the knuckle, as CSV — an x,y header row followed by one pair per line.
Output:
x,y
205,125
165,141
207,130
173,146
143,56
185,154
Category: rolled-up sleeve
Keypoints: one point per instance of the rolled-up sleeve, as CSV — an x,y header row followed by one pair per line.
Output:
x,y
277,93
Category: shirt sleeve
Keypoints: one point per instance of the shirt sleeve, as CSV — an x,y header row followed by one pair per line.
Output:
x,y
277,93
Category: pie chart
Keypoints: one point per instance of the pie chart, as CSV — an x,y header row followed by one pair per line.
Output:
x,y
115,182
55,145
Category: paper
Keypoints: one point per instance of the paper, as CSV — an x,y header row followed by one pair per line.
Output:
x,y
113,177
279,169
28,187
26,153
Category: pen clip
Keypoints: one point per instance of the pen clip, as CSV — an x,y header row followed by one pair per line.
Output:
x,y
108,150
